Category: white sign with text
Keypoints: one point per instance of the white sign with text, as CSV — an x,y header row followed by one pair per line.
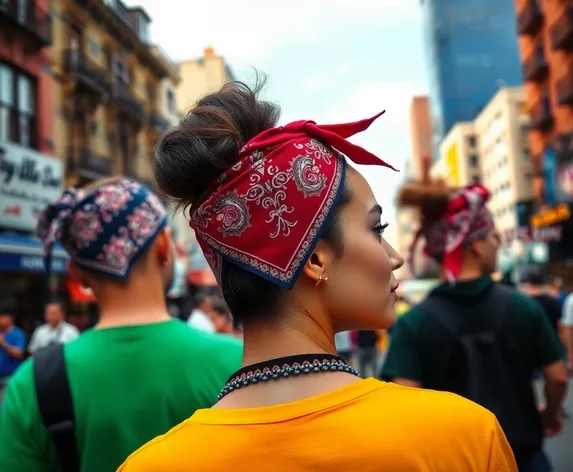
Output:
x,y
28,182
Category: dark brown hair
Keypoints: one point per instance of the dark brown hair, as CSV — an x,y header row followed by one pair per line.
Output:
x,y
431,197
204,145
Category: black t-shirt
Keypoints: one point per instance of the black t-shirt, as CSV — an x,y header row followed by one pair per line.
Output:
x,y
552,309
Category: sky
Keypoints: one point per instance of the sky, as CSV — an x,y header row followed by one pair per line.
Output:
x,y
326,60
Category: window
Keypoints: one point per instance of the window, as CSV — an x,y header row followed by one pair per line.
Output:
x,y
171,102
473,161
472,141
143,28
17,107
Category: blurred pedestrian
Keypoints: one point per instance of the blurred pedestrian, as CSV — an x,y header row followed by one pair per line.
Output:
x,y
343,343
201,316
556,289
471,336
294,237
367,352
567,327
221,316
12,343
85,406
535,284
55,330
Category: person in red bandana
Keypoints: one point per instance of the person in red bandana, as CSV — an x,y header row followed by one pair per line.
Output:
x,y
471,336
294,236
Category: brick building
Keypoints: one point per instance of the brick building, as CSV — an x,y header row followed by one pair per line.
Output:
x,y
546,46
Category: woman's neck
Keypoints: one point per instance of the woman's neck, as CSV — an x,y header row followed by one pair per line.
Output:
x,y
298,335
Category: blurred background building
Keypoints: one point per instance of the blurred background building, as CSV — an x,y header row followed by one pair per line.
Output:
x,y
470,50
110,91
546,46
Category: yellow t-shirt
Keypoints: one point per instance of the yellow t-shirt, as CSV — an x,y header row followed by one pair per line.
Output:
x,y
368,426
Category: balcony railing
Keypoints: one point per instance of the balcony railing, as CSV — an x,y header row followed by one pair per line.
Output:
x,y
541,116
127,103
530,18
535,67
564,88
159,122
561,31
89,75
88,164
28,19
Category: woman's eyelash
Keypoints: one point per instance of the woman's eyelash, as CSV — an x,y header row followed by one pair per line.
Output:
x,y
381,227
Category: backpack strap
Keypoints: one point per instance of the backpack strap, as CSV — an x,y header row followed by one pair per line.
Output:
x,y
55,404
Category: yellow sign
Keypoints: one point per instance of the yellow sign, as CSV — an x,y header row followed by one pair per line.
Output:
x,y
453,166
551,216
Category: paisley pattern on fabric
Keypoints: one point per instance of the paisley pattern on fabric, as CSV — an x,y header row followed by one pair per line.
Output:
x,y
266,212
467,219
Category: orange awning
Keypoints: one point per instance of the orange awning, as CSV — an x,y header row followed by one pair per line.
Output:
x,y
202,278
79,293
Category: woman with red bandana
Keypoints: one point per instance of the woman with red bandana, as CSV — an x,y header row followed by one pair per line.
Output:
x,y
474,337
294,237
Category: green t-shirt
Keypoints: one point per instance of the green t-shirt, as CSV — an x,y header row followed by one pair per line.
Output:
x,y
421,346
129,384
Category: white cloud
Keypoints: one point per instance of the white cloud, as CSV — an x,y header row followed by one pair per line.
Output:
x,y
248,31
314,82
388,137
346,67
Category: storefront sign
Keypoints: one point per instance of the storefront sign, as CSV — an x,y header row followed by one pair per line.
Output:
x,y
551,216
28,182
30,263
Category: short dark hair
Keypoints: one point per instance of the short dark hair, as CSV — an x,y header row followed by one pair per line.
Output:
x,y
200,149
8,306
220,306
57,301
535,276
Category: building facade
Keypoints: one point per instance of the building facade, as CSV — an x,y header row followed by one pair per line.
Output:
x,y
546,46
109,94
31,175
505,161
407,219
471,50
200,77
459,162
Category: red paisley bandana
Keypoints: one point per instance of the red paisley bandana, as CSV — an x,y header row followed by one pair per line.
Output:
x,y
466,220
265,213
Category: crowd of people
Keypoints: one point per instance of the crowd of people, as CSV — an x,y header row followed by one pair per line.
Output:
x,y
293,234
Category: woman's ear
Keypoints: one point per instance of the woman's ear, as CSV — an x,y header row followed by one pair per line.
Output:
x,y
315,267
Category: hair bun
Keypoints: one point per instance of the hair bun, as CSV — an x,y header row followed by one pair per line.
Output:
x,y
207,141
431,197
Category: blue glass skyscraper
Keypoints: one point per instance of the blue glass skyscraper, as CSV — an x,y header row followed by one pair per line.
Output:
x,y
471,51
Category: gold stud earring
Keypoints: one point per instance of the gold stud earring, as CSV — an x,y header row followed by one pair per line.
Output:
x,y
321,278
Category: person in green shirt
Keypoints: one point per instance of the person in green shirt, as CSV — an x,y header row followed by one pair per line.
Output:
x,y
435,344
139,372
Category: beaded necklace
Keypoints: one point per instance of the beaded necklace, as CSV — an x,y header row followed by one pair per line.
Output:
x,y
281,367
